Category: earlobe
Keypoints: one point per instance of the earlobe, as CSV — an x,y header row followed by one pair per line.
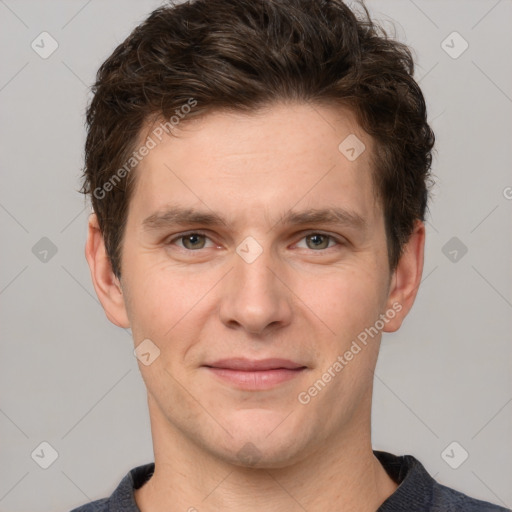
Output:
x,y
406,278
107,285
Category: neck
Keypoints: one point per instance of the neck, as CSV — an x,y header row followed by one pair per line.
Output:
x,y
341,474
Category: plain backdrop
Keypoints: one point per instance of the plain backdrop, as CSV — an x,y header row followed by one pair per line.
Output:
x,y
69,378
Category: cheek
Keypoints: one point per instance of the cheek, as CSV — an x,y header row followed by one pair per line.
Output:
x,y
345,300
157,300
170,307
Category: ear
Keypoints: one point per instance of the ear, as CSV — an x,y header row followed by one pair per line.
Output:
x,y
406,278
107,286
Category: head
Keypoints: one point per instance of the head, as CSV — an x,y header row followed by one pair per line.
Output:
x,y
289,140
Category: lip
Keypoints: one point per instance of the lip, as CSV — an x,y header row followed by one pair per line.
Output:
x,y
250,374
243,364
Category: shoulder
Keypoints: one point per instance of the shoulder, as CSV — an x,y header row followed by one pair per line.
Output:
x,y
418,491
95,506
449,500
122,499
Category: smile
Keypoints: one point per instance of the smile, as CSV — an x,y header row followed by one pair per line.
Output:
x,y
255,375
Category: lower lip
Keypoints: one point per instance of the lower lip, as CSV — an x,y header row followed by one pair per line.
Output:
x,y
262,379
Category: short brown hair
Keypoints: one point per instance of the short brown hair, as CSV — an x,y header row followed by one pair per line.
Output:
x,y
246,54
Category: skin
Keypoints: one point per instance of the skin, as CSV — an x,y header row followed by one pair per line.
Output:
x,y
294,301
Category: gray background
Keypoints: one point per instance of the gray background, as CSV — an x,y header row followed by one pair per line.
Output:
x,y
69,377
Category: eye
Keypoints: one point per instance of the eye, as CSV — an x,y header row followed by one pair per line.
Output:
x,y
191,241
318,241
194,241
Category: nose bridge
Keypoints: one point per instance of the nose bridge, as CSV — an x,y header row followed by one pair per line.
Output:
x,y
255,297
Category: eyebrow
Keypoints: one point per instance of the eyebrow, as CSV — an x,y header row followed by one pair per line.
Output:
x,y
182,216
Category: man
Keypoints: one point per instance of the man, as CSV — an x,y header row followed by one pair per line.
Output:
x,y
259,177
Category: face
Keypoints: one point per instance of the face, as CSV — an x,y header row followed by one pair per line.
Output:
x,y
252,239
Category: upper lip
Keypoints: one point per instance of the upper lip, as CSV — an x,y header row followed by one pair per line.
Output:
x,y
243,364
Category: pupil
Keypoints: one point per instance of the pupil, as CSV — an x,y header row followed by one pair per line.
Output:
x,y
191,240
318,240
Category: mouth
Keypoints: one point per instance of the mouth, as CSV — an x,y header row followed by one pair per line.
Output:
x,y
250,374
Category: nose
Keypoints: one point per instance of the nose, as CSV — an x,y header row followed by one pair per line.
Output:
x,y
255,297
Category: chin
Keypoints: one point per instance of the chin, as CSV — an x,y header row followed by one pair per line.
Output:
x,y
263,444
255,456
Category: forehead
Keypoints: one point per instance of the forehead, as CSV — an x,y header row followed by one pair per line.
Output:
x,y
279,156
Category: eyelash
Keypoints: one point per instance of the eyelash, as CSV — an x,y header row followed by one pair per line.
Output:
x,y
338,241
